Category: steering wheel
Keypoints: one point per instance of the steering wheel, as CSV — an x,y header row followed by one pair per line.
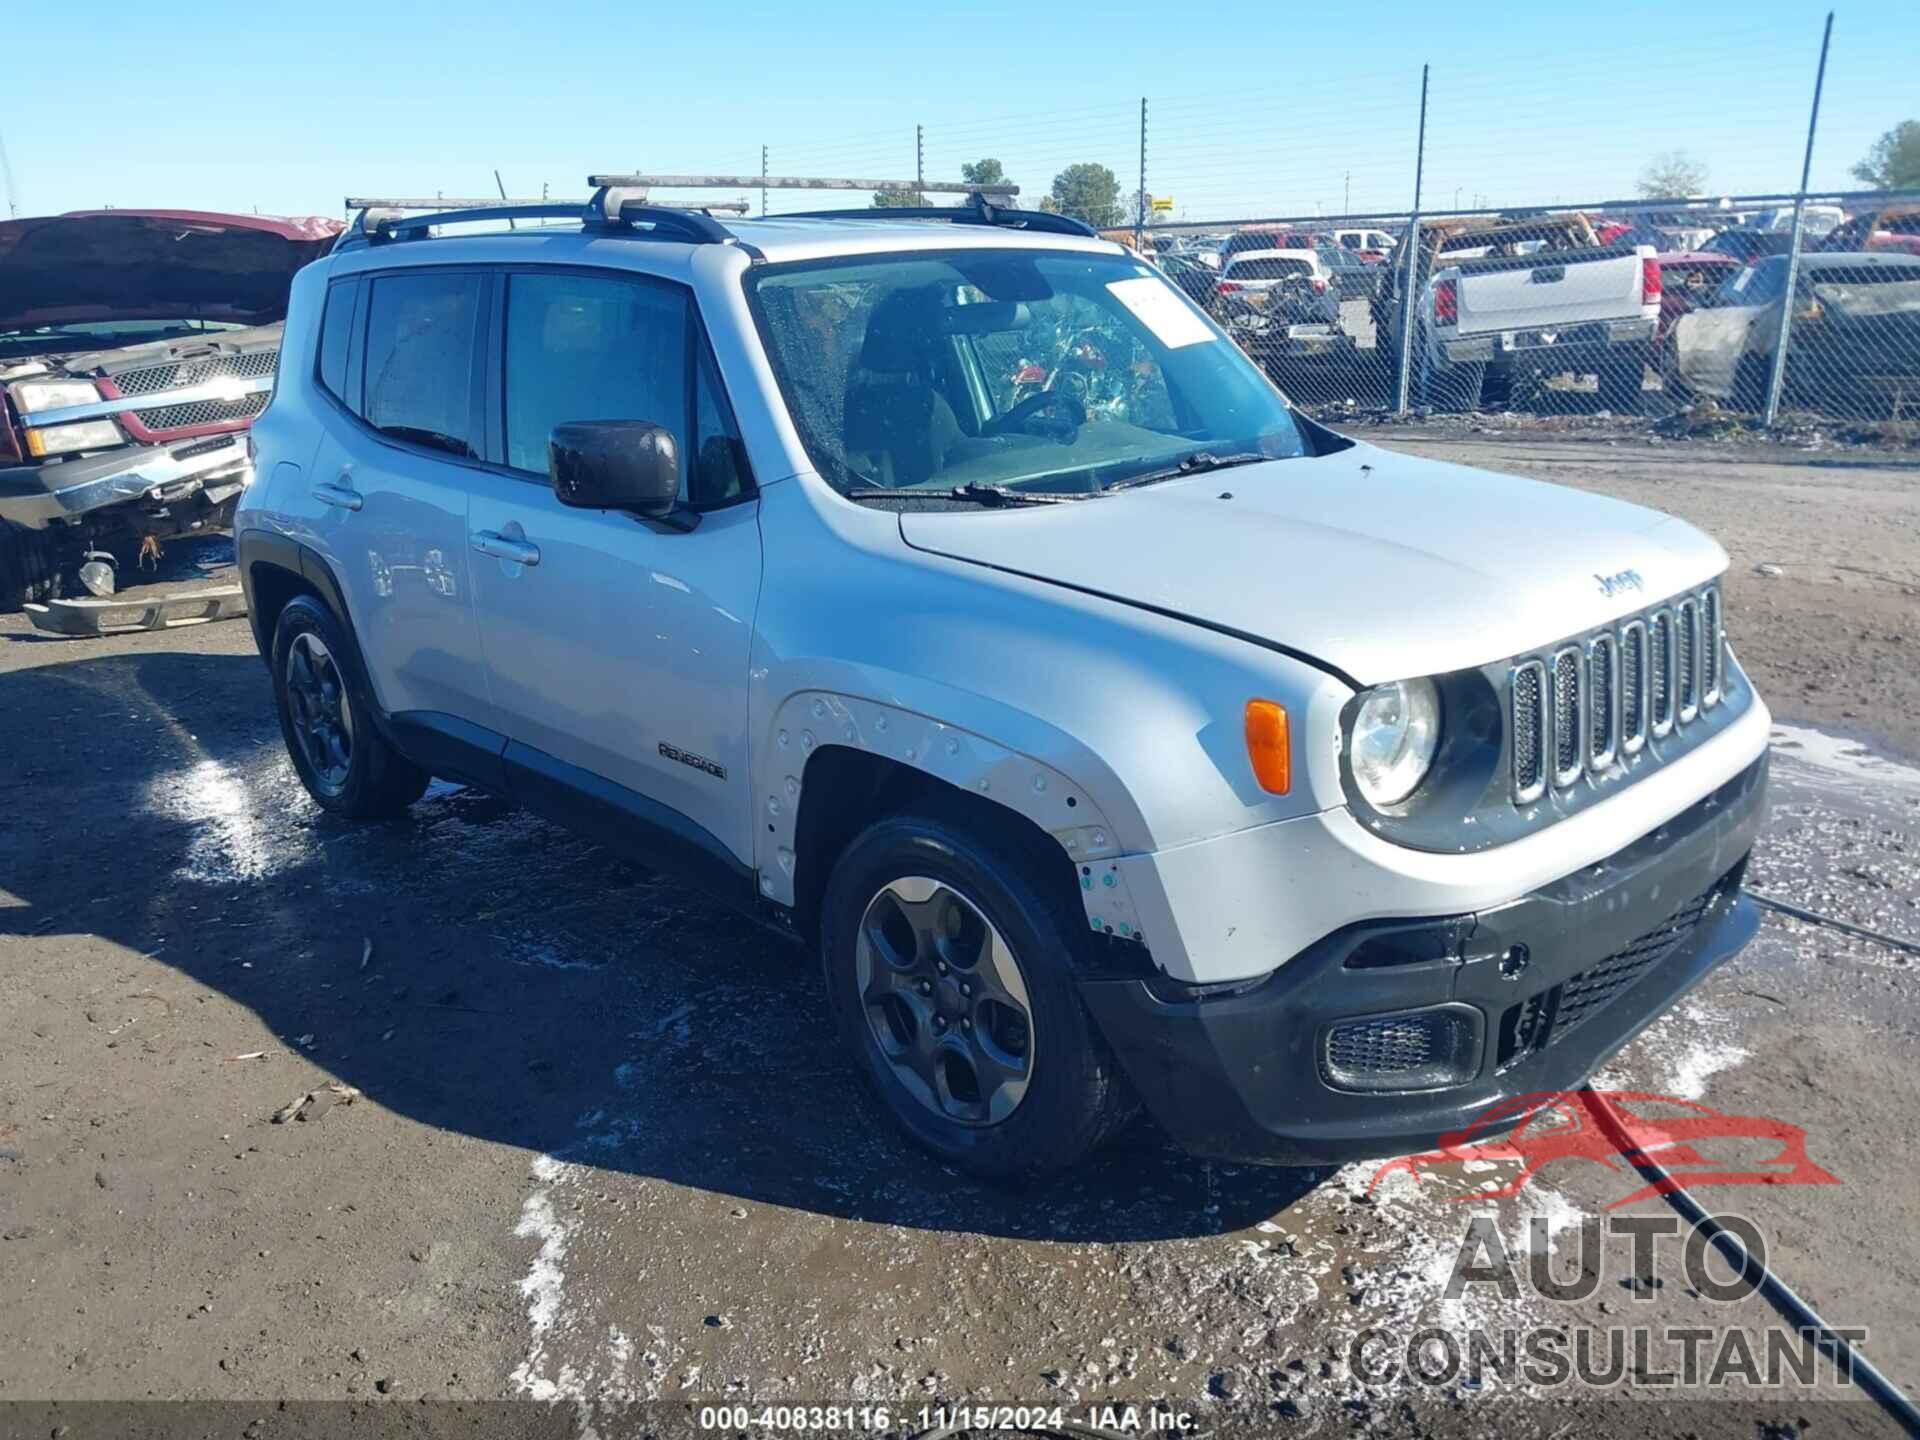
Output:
x,y
1072,415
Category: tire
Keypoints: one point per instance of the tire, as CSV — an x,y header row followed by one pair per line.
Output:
x,y
29,567
1455,388
1073,1096
1496,390
326,717
1622,382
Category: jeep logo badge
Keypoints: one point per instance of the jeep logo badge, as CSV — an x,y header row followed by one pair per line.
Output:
x,y
1611,585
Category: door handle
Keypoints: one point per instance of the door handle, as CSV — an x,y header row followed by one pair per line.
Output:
x,y
492,542
344,496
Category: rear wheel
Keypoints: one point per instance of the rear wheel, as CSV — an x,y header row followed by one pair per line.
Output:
x,y
948,976
327,719
29,566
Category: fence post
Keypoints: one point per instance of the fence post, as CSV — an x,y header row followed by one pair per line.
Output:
x,y
1409,298
1140,212
1777,378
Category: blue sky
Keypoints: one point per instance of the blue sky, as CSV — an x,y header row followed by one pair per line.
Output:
x,y
1254,108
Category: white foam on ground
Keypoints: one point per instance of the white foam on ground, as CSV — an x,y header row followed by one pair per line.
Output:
x,y
545,1285
1845,759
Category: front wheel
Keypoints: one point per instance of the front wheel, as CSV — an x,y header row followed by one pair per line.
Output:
x,y
948,975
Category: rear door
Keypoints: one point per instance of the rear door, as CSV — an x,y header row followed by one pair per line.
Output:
x,y
391,482
617,647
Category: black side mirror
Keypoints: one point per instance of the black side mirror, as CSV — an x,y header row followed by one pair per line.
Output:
x,y
615,465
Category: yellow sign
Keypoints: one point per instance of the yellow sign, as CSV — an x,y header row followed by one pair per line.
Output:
x,y
1161,204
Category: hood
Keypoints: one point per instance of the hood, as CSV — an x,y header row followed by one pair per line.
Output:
x,y
1379,565
103,265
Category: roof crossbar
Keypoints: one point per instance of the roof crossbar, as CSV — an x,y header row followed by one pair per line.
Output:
x,y
802,182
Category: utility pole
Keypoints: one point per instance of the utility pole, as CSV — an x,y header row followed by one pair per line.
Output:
x,y
920,158
1777,380
1346,195
1408,296
1140,215
6,177
763,182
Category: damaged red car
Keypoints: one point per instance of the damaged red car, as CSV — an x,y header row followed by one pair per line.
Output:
x,y
136,346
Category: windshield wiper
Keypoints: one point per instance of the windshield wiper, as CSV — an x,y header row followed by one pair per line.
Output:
x,y
1198,463
973,493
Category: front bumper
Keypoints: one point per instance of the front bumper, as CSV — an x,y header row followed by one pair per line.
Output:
x,y
1552,349
1541,990
37,495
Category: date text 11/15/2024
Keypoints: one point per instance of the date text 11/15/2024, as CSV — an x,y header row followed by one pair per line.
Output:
x,y
941,1419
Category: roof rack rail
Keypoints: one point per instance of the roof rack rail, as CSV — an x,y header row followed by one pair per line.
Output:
x,y
801,182
383,221
978,212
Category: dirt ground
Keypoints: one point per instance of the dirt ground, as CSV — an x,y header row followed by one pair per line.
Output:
x,y
601,1154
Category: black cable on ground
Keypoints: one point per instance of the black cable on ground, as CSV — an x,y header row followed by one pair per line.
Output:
x,y
1853,1366
1814,917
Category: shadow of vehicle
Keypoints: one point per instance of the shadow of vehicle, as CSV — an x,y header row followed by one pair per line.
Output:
x,y
547,995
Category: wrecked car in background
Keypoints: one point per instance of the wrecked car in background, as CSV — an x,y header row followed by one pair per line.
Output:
x,y
1855,343
136,346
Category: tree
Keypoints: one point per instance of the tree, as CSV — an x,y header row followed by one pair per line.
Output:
x,y
983,172
1673,175
897,199
1894,161
1089,192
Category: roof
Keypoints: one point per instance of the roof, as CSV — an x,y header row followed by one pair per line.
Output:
x,y
776,238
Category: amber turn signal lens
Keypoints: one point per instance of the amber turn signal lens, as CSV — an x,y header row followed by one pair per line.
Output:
x,y
1267,745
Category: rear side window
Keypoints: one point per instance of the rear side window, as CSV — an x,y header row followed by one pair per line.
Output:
x,y
590,347
336,328
419,366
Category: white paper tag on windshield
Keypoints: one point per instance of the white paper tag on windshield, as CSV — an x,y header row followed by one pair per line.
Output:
x,y
1157,306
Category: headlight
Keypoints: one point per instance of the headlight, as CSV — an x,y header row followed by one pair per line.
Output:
x,y
62,439
32,395
1395,733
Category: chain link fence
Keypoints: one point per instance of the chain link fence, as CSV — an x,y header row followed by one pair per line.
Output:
x,y
1619,308
1283,211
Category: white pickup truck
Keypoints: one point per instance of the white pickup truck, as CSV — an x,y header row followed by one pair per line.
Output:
x,y
1491,316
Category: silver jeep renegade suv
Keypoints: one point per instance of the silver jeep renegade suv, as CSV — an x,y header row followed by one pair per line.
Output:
x,y
944,589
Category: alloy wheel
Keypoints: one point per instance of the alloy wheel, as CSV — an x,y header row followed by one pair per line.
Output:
x,y
322,717
945,1001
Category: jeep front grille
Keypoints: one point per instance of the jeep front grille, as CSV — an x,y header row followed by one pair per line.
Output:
x,y
195,370
1595,702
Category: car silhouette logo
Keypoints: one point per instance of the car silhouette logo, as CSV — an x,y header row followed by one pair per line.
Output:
x,y
1538,1128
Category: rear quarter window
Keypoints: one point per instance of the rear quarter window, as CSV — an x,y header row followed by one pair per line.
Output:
x,y
336,329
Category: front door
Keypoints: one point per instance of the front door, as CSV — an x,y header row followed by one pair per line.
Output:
x,y
617,648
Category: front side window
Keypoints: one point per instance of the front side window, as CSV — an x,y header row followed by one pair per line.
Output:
x,y
420,350
592,347
1035,370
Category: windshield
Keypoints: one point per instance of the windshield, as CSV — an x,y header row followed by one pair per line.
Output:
x,y
1032,370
